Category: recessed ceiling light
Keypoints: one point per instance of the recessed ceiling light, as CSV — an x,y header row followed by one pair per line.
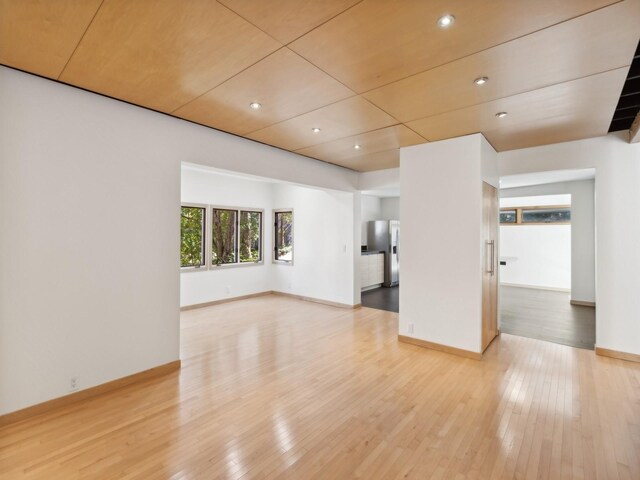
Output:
x,y
446,21
315,130
481,80
501,114
255,105
357,147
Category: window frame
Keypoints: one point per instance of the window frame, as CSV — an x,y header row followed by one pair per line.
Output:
x,y
196,268
208,240
273,237
519,213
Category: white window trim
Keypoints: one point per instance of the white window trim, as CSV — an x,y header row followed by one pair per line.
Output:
x,y
208,237
293,237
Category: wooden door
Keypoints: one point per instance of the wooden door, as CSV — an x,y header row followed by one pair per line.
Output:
x,y
491,262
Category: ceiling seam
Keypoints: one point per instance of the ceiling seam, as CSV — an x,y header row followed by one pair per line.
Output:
x,y
398,122
355,135
249,21
282,45
324,23
519,93
486,49
227,79
79,41
233,12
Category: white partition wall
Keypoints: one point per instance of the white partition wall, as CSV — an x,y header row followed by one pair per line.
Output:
x,y
441,211
90,232
617,203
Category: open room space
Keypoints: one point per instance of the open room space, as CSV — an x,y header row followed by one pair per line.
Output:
x,y
346,239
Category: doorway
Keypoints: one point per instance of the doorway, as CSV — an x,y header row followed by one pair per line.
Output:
x,y
380,252
547,262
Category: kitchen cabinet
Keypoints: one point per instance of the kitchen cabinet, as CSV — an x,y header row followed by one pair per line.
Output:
x,y
371,269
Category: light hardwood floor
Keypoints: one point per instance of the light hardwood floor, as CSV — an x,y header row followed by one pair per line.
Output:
x,y
273,387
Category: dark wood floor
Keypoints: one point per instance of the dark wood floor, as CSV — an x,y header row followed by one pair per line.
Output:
x,y
546,315
382,298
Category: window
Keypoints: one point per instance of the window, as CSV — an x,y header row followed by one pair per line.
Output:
x,y
283,236
508,216
542,215
192,228
223,236
219,236
546,215
250,236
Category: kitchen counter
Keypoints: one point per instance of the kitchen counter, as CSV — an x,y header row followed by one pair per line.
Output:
x,y
371,252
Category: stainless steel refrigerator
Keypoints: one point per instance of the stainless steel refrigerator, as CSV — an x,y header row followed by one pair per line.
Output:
x,y
384,235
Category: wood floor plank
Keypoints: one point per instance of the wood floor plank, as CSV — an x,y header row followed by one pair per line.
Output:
x,y
273,388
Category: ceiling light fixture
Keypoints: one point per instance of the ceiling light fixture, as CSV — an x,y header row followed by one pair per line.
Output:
x,y
481,80
446,21
315,130
501,114
255,105
357,147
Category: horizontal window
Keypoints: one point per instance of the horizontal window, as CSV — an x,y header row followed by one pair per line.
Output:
x,y
542,215
217,236
508,216
546,215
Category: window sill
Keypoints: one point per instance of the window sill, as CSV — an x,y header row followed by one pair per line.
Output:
x,y
224,266
220,267
282,262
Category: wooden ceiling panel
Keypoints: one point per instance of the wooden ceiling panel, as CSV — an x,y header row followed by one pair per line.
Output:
x,y
39,36
162,54
567,51
286,20
568,111
380,41
285,84
388,138
342,119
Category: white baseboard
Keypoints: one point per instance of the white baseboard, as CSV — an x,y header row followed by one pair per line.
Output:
x,y
536,287
269,292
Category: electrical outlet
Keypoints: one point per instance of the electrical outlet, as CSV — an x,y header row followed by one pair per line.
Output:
x,y
410,328
227,289
289,286
73,384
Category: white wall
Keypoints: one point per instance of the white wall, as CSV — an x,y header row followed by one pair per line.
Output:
x,y
583,234
371,210
441,294
383,183
89,202
199,185
323,240
89,232
542,253
390,208
617,195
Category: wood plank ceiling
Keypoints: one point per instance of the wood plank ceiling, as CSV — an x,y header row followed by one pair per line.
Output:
x,y
370,76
